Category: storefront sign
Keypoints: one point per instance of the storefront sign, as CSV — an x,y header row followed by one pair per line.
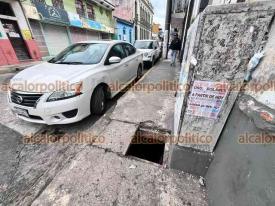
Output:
x,y
26,34
206,98
75,20
52,14
94,25
31,12
110,29
103,28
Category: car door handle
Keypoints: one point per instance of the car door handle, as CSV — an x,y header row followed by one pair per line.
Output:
x,y
126,65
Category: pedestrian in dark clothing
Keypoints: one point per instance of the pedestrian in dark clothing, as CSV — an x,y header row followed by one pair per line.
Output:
x,y
175,46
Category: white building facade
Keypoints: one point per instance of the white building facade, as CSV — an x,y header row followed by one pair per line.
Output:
x,y
143,19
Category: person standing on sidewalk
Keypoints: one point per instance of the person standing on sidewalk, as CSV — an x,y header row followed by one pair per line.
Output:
x,y
175,46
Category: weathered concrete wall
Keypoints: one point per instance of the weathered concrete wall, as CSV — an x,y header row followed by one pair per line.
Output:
x,y
262,85
227,37
243,171
258,103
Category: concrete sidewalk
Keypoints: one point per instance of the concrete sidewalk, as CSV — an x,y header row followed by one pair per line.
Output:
x,y
102,173
96,177
152,99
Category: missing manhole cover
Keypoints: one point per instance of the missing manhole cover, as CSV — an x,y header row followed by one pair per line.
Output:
x,y
147,147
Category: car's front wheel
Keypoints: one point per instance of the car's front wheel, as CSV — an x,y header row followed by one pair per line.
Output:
x,y
98,101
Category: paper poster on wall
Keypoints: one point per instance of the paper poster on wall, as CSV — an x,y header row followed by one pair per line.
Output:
x,y
26,34
13,35
206,98
31,11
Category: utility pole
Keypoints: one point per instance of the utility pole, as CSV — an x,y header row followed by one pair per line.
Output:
x,y
167,28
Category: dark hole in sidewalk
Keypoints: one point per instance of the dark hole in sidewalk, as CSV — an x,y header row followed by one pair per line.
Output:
x,y
148,146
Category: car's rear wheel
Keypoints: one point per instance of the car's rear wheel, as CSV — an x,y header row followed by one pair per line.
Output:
x,y
98,101
139,72
153,62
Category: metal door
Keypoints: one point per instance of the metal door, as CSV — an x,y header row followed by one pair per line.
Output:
x,y
12,30
56,38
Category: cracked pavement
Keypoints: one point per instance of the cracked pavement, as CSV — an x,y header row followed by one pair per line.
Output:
x,y
88,173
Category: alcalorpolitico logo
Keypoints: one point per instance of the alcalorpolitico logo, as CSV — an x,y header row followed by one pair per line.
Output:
x,y
258,138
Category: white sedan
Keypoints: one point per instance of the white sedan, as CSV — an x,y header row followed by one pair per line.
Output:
x,y
74,84
150,49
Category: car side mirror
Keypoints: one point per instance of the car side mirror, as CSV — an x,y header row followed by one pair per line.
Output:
x,y
114,60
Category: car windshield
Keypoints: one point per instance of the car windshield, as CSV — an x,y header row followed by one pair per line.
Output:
x,y
82,53
144,44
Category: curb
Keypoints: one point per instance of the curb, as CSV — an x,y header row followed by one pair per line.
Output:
x,y
15,68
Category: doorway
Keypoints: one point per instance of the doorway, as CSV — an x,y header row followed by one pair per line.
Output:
x,y
13,33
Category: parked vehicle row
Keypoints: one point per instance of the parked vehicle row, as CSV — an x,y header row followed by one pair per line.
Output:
x,y
151,50
75,83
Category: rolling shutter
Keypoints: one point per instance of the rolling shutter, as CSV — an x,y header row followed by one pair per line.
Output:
x,y
56,38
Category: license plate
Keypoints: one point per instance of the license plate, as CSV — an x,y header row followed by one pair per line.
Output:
x,y
20,111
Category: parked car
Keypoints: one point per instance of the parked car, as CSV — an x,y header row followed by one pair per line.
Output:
x,y
150,49
75,83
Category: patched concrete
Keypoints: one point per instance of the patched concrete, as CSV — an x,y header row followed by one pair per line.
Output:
x,y
193,161
26,169
157,104
117,136
95,177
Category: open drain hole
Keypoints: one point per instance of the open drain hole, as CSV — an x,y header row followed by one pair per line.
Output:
x,y
147,145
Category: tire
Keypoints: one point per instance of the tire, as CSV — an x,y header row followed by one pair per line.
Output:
x,y
152,62
139,72
98,101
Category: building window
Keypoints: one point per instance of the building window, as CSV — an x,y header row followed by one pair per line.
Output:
x,y
90,11
58,4
80,9
141,13
5,9
136,12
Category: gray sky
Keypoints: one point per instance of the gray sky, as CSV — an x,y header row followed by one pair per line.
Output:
x,y
160,11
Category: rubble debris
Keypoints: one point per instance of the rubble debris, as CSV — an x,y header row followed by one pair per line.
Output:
x,y
193,61
133,167
262,115
252,65
202,181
